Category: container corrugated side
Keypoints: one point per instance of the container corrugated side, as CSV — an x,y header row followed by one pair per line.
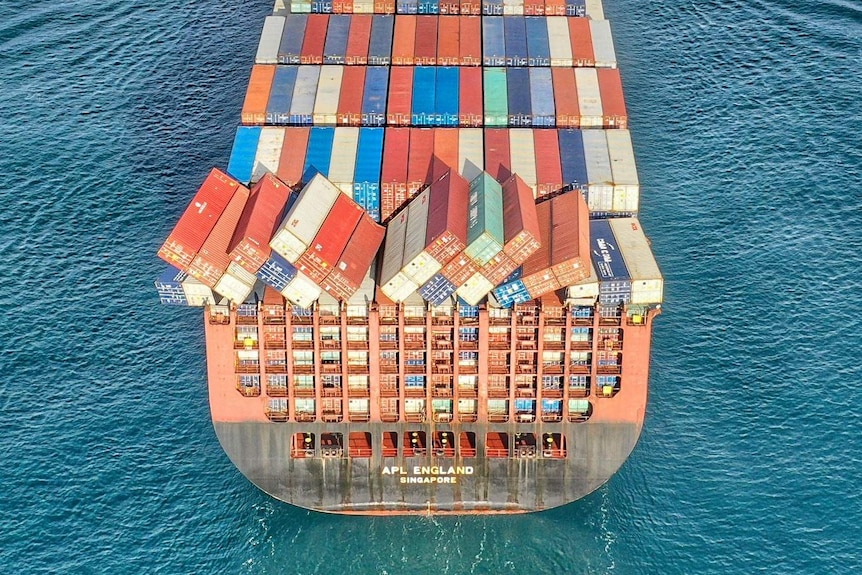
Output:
x,y
302,222
257,94
558,41
515,31
446,112
292,162
425,49
374,99
393,282
400,105
342,165
366,179
523,156
445,151
569,238
212,259
415,263
520,222
353,265
471,156
568,113
572,161
448,41
404,41
241,163
314,40
258,223
304,93
495,96
358,40
601,187
538,47
603,44
493,42
470,109
594,9
485,219
470,47
328,244
520,109
549,174
497,157
613,102
393,178
615,284
350,101
424,101
582,42
319,153
270,39
625,174
537,278
589,98
268,153
446,233
419,161
335,48
328,92
542,98
380,45
283,84
290,49
647,281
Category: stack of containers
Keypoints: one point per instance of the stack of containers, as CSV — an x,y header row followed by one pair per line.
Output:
x,y
178,288
351,269
520,229
394,283
366,177
323,251
585,292
615,282
264,212
485,236
647,284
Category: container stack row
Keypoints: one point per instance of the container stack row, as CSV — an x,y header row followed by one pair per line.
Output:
x,y
591,8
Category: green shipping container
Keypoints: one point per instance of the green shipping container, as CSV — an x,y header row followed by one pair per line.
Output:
x,y
496,98
485,219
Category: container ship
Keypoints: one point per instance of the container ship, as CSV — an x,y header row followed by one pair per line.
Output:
x,y
424,285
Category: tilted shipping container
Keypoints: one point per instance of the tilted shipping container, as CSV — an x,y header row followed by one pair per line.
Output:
x,y
647,284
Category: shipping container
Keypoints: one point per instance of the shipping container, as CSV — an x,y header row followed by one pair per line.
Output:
x,y
485,220
301,224
589,98
603,44
568,114
319,151
493,42
270,38
498,161
374,99
419,161
393,179
448,41
400,105
257,94
646,281
510,293
613,103
515,31
369,157
276,272
290,49
625,175
328,94
558,41
471,154
523,156
169,286
429,6
534,8
537,278
513,7
470,112
301,291
241,163
404,41
459,270
474,289
572,161
425,48
520,222
582,42
314,39
199,219
492,8
576,8
470,37
197,294
342,164
584,292
549,172
406,7
593,9
335,47
555,7
304,93
542,98
380,46
212,259
355,262
333,236
518,93
446,93
437,290
268,153
495,96
538,48
424,88
236,284
601,188
446,149
615,286
280,95
471,7
415,263
358,40
300,6
292,162
350,100
499,268
393,282
570,239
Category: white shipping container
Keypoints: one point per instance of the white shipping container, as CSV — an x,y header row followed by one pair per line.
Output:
x,y
416,263
600,190
558,41
647,282
522,154
471,154
625,174
474,289
585,291
301,291
603,44
357,305
304,92
342,163
197,294
363,6
328,92
513,7
233,288
270,38
589,97
268,152
594,9
393,248
297,230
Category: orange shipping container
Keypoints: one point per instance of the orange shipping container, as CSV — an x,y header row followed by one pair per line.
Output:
x,y
570,238
292,160
566,98
448,34
350,100
446,149
404,40
257,94
358,40
555,7
613,102
582,42
549,172
520,220
470,39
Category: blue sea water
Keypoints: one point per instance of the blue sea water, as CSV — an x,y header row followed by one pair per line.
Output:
x,y
746,119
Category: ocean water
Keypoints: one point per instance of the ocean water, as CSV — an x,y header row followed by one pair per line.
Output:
x,y
746,119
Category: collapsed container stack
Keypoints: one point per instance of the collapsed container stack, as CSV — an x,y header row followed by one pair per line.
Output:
x,y
484,136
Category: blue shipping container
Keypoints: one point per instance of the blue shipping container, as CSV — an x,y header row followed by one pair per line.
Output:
x,y
424,80
335,49
374,99
447,96
289,51
369,159
304,93
467,310
542,98
407,6
321,6
538,48
615,284
574,164
380,45
170,288
277,272
516,41
319,150
492,8
576,8
511,293
437,290
429,6
242,155
278,107
493,42
518,93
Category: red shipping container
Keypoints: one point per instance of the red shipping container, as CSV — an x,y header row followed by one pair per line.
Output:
x,y
358,40
540,260
353,265
419,160
329,243
292,159
393,177
350,100
534,7
566,98
459,270
342,6
473,7
451,7
425,49
549,172
499,268
212,259
262,215
199,219
257,94
400,105
470,37
471,111
570,242
273,300
520,220
555,7
404,40
613,102
446,232
582,42
314,39
497,162
448,43
445,150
